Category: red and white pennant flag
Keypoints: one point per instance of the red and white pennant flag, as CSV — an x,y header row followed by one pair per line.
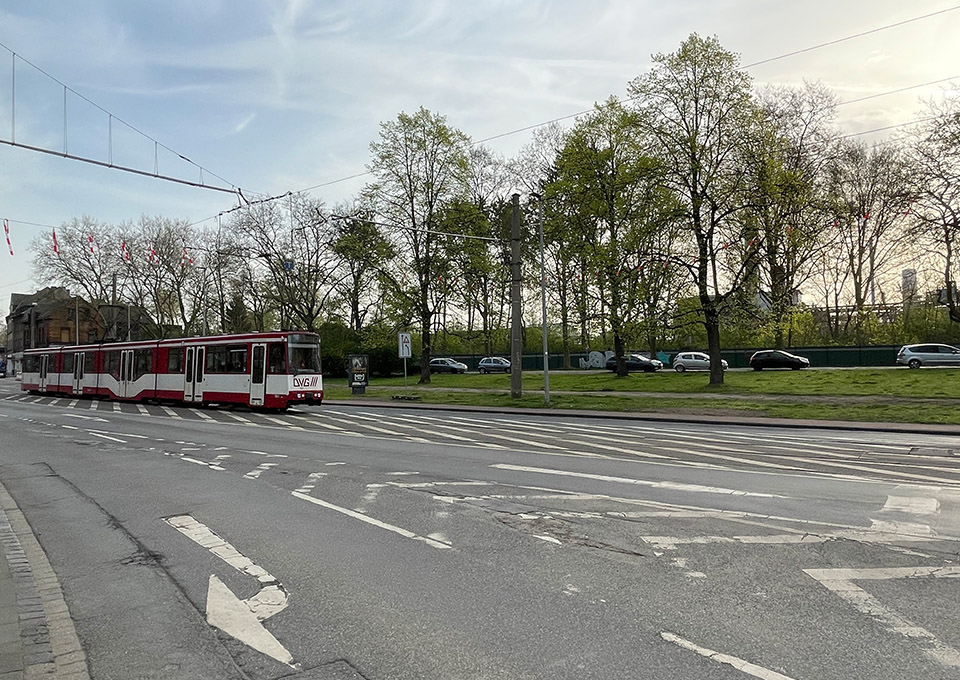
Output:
x,y
6,230
185,258
90,240
56,244
124,253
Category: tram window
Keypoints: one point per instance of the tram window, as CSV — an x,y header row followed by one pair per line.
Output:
x,y
278,358
304,359
227,359
111,363
175,360
67,363
237,359
31,363
142,362
89,361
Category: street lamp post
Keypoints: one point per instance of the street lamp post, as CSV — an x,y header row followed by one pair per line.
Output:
x,y
543,304
203,299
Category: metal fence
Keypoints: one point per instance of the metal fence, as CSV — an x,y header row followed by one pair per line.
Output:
x,y
833,357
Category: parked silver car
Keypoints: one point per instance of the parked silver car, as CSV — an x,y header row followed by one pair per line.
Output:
x,y
694,361
446,365
916,356
494,365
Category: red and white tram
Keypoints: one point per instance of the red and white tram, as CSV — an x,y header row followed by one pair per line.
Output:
x,y
269,370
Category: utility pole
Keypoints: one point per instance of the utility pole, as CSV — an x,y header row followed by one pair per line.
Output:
x,y
543,305
516,324
113,310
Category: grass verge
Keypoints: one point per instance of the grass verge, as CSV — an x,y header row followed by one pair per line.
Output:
x,y
825,410
940,383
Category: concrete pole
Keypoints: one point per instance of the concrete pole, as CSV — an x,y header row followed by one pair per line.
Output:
x,y
543,311
516,324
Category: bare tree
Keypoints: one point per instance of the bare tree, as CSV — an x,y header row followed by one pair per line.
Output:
x,y
934,154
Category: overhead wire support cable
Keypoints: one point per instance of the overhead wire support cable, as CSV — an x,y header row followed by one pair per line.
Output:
x,y
103,164
111,117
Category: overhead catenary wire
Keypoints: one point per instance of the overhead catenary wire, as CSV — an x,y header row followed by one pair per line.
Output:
x,y
768,60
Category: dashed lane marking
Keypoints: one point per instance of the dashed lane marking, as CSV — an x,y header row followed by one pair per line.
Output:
x,y
370,520
673,486
106,436
245,421
318,423
311,482
724,659
259,470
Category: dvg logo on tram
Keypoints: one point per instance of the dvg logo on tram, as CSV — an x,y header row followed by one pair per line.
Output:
x,y
306,381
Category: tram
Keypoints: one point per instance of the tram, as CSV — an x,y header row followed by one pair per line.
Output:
x,y
265,370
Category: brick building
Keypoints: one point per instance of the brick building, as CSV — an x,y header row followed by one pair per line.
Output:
x,y
52,316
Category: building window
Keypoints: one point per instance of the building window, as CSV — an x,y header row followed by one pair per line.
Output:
x,y
64,335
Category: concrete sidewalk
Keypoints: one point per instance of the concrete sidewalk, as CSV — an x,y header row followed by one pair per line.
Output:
x,y
37,636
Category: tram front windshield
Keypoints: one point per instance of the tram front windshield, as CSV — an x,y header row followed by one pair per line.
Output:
x,y
304,358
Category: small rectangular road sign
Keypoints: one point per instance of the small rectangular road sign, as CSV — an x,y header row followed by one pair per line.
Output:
x,y
405,346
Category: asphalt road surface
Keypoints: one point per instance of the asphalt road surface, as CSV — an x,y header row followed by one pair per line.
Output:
x,y
383,543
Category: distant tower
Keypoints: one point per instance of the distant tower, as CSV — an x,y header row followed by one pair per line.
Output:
x,y
908,284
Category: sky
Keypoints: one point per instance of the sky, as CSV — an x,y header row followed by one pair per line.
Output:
x,y
274,96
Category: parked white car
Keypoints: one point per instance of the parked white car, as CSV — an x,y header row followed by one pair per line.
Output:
x,y
694,361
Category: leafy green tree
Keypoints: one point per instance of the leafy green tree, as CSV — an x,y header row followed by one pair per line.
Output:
x,y
616,189
363,250
419,163
695,107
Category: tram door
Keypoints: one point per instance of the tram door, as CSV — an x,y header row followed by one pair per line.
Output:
x,y
78,373
258,372
44,365
193,375
126,374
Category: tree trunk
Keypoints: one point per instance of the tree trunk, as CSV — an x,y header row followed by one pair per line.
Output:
x,y
426,340
618,351
711,321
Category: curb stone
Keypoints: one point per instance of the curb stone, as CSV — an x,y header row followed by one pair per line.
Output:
x,y
48,640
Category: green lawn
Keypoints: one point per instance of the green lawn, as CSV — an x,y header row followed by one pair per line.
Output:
x,y
936,383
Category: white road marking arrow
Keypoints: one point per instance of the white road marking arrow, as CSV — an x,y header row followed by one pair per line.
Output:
x,y
238,618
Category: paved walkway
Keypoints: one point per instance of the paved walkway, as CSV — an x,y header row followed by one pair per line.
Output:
x,y
37,636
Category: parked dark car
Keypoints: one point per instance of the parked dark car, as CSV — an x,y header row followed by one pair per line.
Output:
x,y
494,365
444,365
636,362
777,358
